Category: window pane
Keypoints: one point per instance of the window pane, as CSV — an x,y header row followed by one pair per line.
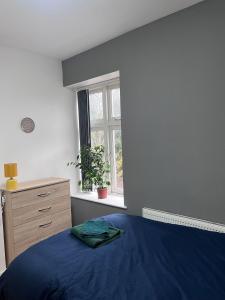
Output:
x,y
115,94
118,158
96,106
97,138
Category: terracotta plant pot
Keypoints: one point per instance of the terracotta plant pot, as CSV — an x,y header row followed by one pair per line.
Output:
x,y
102,193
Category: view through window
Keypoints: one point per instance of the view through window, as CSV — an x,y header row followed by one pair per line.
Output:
x,y
105,117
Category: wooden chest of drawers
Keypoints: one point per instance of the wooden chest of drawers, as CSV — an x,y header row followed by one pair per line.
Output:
x,y
33,212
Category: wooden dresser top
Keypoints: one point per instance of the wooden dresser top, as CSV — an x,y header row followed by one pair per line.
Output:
x,y
27,185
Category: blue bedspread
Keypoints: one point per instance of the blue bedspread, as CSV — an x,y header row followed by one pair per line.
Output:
x,y
150,261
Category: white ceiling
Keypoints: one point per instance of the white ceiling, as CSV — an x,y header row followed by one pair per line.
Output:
x,y
63,28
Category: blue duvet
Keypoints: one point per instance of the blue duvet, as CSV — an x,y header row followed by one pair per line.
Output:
x,y
150,261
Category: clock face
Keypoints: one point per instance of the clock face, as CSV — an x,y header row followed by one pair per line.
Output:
x,y
27,125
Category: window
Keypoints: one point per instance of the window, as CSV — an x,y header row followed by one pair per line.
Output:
x,y
105,118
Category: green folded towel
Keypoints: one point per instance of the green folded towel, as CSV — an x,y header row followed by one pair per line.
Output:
x,y
95,227
96,233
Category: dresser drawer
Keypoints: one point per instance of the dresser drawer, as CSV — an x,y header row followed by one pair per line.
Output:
x,y
40,209
34,211
39,195
30,233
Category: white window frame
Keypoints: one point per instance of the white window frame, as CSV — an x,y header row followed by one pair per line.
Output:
x,y
108,124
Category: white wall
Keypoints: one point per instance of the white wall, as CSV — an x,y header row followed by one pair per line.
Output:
x,y
31,86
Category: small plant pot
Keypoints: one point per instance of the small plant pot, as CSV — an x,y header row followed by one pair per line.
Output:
x,y
102,193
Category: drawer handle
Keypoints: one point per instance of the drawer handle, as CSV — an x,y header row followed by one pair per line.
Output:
x,y
45,225
45,209
44,195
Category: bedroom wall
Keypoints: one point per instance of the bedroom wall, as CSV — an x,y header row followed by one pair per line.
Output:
x,y
85,210
173,109
31,85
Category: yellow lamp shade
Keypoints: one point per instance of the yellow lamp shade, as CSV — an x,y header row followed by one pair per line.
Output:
x,y
10,170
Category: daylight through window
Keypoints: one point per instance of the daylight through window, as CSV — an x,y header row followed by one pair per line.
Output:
x,y
105,117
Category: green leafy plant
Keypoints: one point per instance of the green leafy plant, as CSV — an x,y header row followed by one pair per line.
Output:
x,y
94,168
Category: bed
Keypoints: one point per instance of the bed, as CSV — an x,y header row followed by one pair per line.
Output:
x,y
151,261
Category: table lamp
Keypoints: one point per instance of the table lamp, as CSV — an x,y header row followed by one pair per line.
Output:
x,y
11,171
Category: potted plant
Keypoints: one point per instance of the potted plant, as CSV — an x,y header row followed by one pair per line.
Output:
x,y
94,170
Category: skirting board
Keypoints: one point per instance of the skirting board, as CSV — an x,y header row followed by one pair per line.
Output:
x,y
165,217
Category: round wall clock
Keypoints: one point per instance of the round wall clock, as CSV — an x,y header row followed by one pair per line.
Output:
x,y
27,125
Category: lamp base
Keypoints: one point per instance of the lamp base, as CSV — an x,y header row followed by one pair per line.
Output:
x,y
11,184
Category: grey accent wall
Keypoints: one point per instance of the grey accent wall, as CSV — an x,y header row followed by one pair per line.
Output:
x,y
83,210
173,110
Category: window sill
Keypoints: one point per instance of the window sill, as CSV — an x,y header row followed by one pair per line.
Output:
x,y
112,199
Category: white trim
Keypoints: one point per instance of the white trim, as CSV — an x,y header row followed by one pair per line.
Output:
x,y
90,83
166,217
77,146
115,189
112,199
102,85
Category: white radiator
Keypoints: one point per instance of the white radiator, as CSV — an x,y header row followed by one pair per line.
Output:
x,y
166,217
